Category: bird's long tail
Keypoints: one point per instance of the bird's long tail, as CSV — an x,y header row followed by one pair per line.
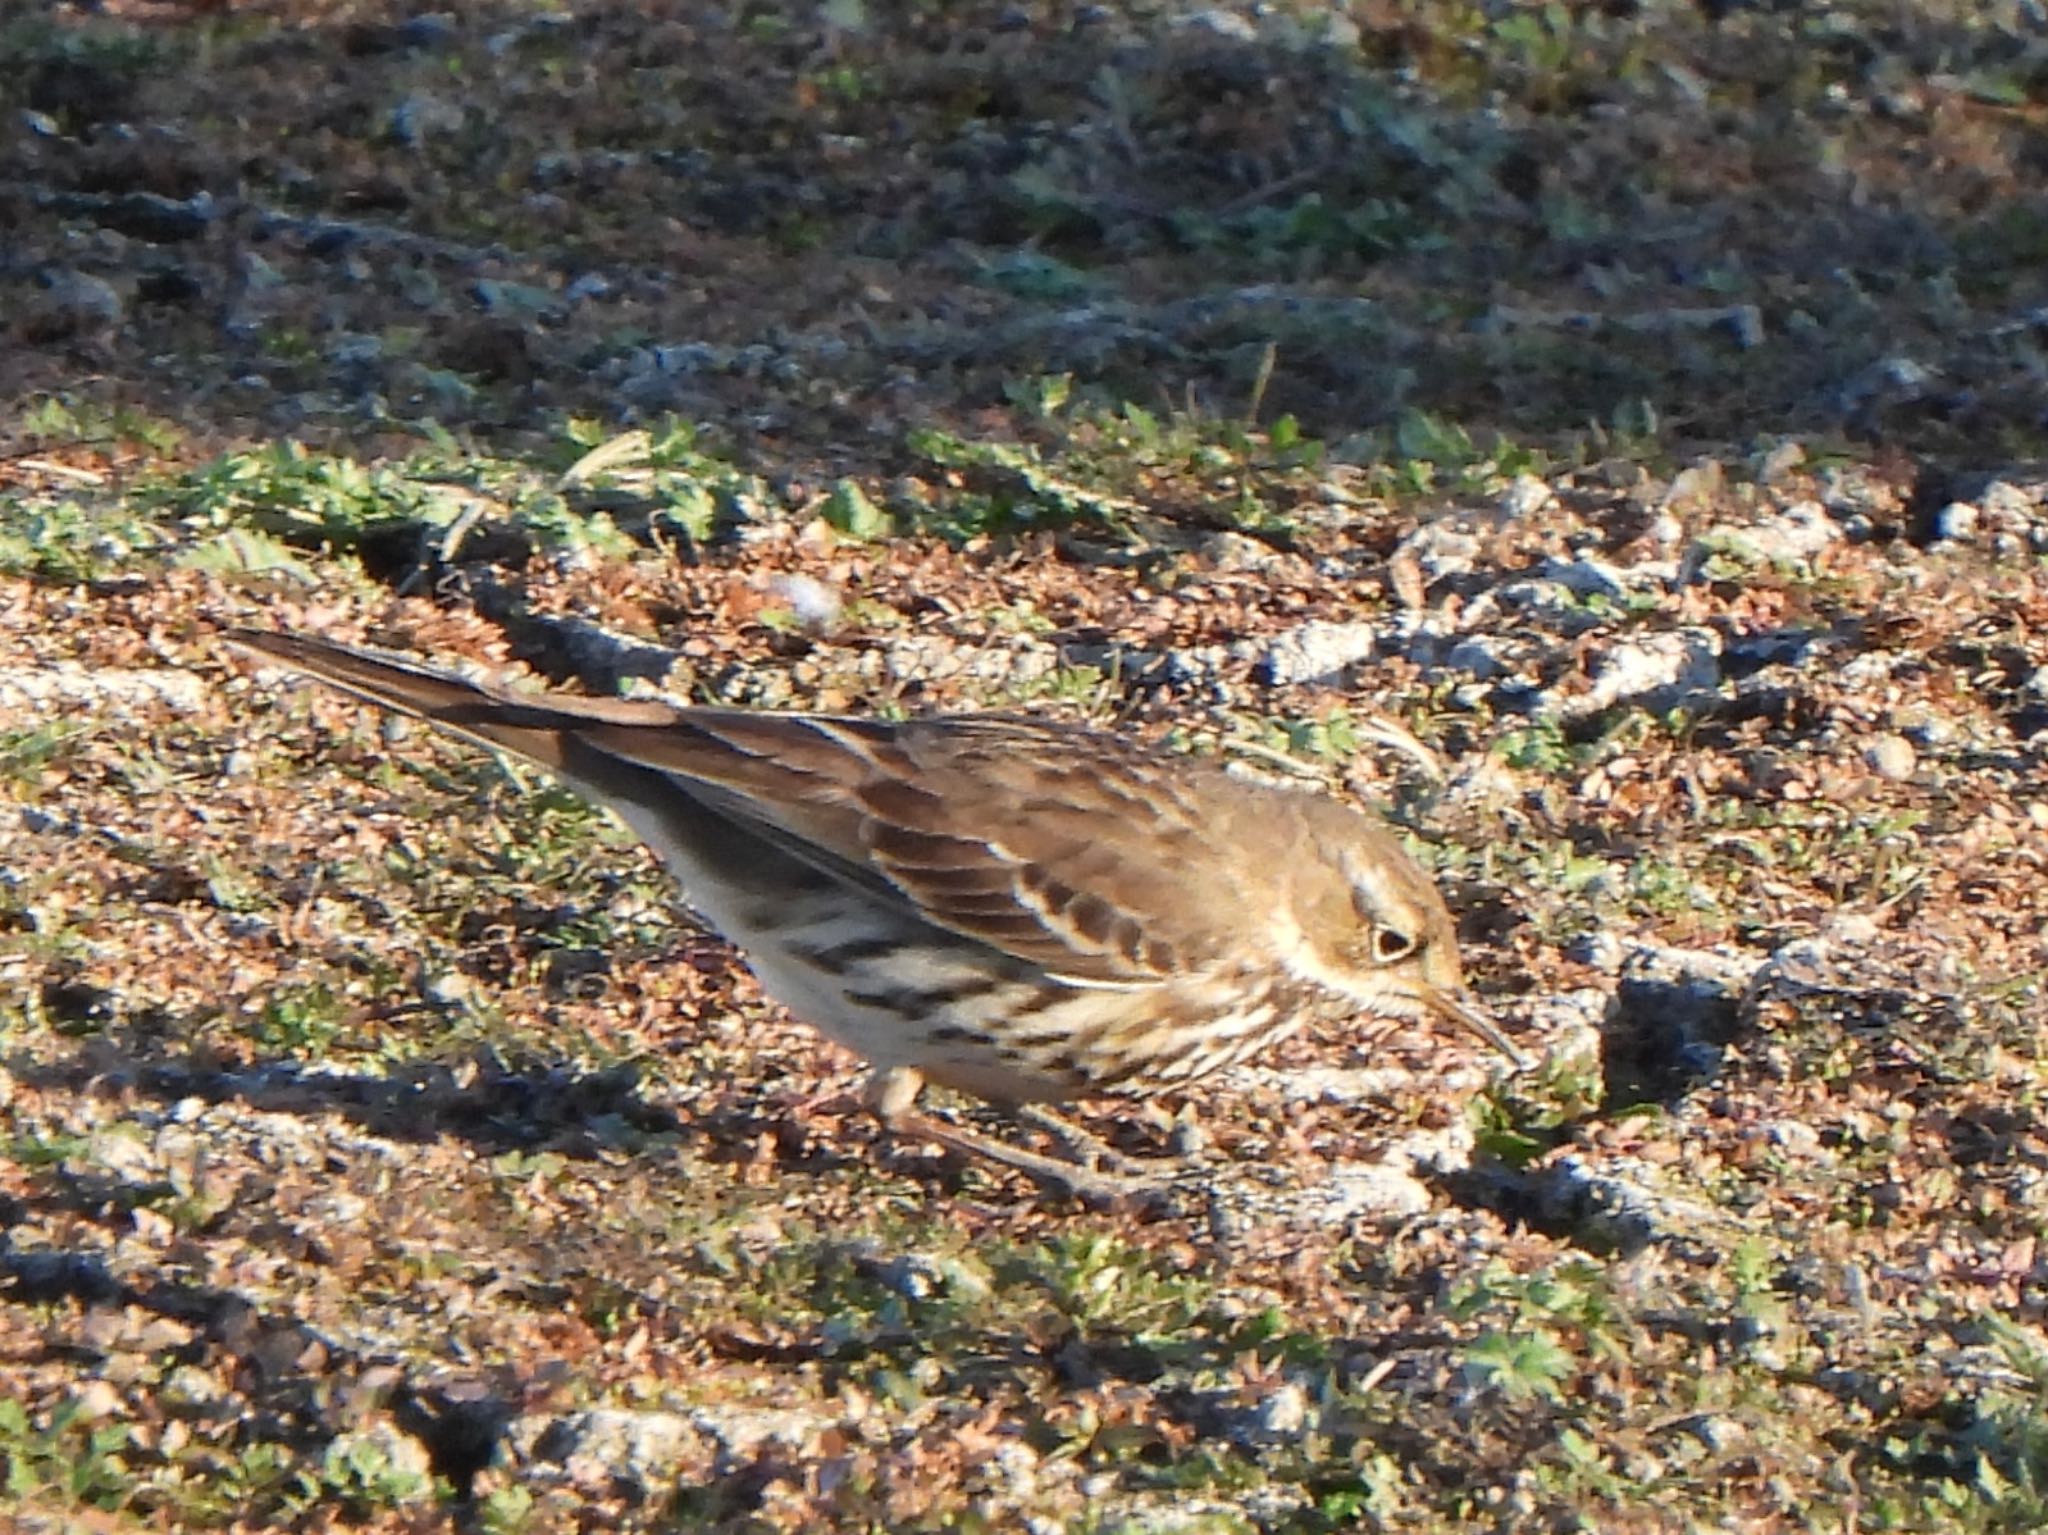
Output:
x,y
537,728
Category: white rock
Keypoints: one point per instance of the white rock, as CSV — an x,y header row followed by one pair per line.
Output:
x,y
97,1399
190,1389
1526,497
1955,523
1373,1191
1892,757
1674,663
1013,661
1283,1415
123,1153
1779,462
814,605
1665,529
2007,508
1797,533
1795,1136
1867,671
1316,651
604,1447
1229,551
1010,1469
1481,656
1602,949
1441,549
1205,668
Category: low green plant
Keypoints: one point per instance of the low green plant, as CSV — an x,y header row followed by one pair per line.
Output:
x,y
67,1454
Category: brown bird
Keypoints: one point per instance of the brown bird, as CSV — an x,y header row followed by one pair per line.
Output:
x,y
1025,912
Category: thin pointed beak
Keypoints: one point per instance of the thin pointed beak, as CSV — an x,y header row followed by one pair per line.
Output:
x,y
1459,1008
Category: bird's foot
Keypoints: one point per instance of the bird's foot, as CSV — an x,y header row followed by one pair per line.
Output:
x,y
1096,1154
1093,1171
1127,1181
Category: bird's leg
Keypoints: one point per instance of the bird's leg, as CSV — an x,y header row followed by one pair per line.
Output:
x,y
892,1091
1090,1149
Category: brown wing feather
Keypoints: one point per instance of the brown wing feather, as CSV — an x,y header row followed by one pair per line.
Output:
x,y
994,829
979,823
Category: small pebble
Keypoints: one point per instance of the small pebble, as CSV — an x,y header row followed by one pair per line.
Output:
x,y
1780,462
447,988
1955,522
1526,497
1891,757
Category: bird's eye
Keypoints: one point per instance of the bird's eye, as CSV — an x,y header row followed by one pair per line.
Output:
x,y
1390,944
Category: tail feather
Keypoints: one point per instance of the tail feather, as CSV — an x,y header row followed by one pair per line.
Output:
x,y
536,728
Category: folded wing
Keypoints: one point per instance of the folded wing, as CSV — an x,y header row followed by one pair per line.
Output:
x,y
1046,843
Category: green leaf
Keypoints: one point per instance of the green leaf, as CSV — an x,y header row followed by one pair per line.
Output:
x,y
849,510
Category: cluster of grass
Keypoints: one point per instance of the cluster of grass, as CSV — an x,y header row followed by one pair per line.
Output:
x,y
257,513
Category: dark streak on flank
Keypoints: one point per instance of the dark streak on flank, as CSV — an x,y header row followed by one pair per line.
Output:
x,y
838,957
916,1001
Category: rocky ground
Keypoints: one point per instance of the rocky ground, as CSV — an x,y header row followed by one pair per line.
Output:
x,y
1607,440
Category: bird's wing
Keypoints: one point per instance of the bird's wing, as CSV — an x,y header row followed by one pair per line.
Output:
x,y
1063,848
1070,850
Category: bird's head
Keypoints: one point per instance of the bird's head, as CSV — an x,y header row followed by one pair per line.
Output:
x,y
1372,926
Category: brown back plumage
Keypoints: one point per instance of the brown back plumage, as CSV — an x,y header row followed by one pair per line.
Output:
x,y
1037,840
